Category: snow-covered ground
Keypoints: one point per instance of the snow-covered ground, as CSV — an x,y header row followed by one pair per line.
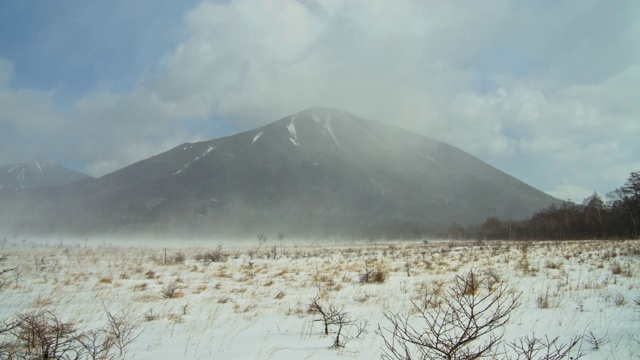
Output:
x,y
254,305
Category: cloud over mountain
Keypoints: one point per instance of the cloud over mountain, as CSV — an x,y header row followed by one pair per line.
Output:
x,y
544,90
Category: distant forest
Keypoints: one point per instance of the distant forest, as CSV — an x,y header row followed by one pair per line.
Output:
x,y
616,218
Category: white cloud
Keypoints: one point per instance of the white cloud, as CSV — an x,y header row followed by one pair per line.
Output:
x,y
509,82
620,173
570,192
101,167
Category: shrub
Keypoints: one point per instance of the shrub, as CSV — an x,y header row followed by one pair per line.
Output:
x,y
41,335
335,320
549,264
170,290
102,343
122,331
179,258
594,340
464,326
3,271
376,275
216,255
616,268
542,301
530,348
619,299
150,316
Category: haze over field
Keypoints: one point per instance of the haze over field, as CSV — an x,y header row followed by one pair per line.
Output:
x,y
545,91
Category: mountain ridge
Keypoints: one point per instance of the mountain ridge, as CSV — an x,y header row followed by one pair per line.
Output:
x,y
36,174
319,172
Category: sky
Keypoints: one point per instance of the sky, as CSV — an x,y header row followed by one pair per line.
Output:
x,y
546,91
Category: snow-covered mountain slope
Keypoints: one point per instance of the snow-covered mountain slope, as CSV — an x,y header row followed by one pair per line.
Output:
x,y
317,172
36,174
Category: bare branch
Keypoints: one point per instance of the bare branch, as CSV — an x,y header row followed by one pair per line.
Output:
x,y
466,325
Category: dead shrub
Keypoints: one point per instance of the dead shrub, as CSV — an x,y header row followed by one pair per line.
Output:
x,y
41,335
377,275
105,280
619,299
549,264
150,316
530,348
616,268
170,291
334,321
465,326
542,301
3,271
140,287
216,255
179,258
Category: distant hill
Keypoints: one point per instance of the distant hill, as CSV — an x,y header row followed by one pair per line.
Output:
x,y
320,172
36,174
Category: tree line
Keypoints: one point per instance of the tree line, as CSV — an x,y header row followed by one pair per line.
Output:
x,y
617,217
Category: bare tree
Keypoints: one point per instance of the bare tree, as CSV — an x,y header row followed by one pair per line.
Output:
x,y
465,325
334,321
327,314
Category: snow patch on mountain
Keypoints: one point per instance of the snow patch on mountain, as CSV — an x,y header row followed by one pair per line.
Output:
x,y
427,157
257,136
292,130
185,166
327,125
21,178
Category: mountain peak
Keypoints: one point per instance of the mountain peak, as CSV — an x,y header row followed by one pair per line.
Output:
x,y
323,114
319,110
320,171
35,174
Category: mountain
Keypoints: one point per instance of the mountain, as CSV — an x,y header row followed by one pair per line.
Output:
x,y
36,174
320,172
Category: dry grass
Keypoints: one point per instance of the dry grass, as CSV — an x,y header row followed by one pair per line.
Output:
x,y
366,277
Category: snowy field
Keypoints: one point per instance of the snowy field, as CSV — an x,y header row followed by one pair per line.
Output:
x,y
217,300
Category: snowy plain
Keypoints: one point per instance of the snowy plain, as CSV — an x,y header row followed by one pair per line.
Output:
x,y
253,301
